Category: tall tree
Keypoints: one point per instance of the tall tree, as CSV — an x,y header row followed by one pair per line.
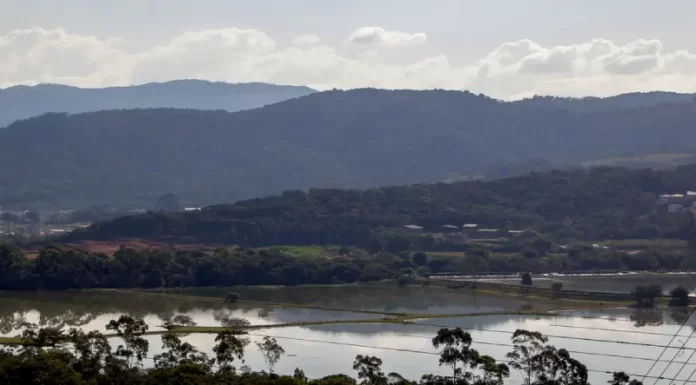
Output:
x,y
271,351
455,351
369,370
131,332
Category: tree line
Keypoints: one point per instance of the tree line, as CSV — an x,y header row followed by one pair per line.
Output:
x,y
57,268
51,356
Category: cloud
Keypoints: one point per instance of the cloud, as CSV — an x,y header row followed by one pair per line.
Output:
x,y
39,55
227,54
512,70
681,62
306,40
378,36
634,58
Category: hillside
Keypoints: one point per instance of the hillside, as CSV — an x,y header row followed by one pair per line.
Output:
x,y
602,203
338,139
595,104
22,102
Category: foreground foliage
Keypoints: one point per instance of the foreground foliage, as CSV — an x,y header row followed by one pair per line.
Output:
x,y
78,358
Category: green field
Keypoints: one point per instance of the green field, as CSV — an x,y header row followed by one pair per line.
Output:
x,y
305,251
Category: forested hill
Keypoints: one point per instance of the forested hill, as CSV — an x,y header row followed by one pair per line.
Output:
x,y
24,102
602,203
339,139
595,104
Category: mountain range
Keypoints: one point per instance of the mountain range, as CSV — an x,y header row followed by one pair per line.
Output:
x,y
348,139
22,102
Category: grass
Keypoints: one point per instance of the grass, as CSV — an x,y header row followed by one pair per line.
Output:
x,y
11,341
303,251
644,243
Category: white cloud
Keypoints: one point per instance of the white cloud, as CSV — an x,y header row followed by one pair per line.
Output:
x,y
306,40
380,37
514,69
39,55
681,62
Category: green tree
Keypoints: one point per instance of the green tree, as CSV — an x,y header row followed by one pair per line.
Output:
x,y
645,295
271,351
178,353
420,258
130,331
178,321
369,370
557,288
232,297
680,297
542,364
526,279
229,345
621,378
235,324
528,346
403,280
455,350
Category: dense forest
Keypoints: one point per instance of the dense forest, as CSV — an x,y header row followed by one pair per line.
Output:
x,y
596,104
564,206
23,102
51,356
335,139
56,268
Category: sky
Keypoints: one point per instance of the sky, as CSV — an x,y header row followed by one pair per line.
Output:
x,y
508,49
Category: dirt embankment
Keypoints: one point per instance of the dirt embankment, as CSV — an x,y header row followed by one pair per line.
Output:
x,y
111,247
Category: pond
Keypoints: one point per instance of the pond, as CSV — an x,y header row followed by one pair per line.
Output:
x,y
605,340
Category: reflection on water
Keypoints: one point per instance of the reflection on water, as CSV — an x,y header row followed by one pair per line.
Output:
x,y
612,284
380,297
598,338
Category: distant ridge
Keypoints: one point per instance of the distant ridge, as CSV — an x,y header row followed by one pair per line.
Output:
x,y
22,102
335,139
596,104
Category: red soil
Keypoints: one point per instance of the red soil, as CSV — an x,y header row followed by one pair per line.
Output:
x,y
110,247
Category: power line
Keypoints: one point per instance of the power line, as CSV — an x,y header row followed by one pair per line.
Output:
x,y
669,343
433,353
675,356
684,364
691,375
564,337
610,319
612,330
569,351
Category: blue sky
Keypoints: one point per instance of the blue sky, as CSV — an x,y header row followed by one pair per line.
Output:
x,y
508,49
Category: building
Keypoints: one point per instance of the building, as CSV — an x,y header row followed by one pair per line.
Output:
x,y
449,229
485,234
670,198
469,227
413,229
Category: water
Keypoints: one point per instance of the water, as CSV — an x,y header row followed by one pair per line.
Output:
x,y
405,348
609,284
